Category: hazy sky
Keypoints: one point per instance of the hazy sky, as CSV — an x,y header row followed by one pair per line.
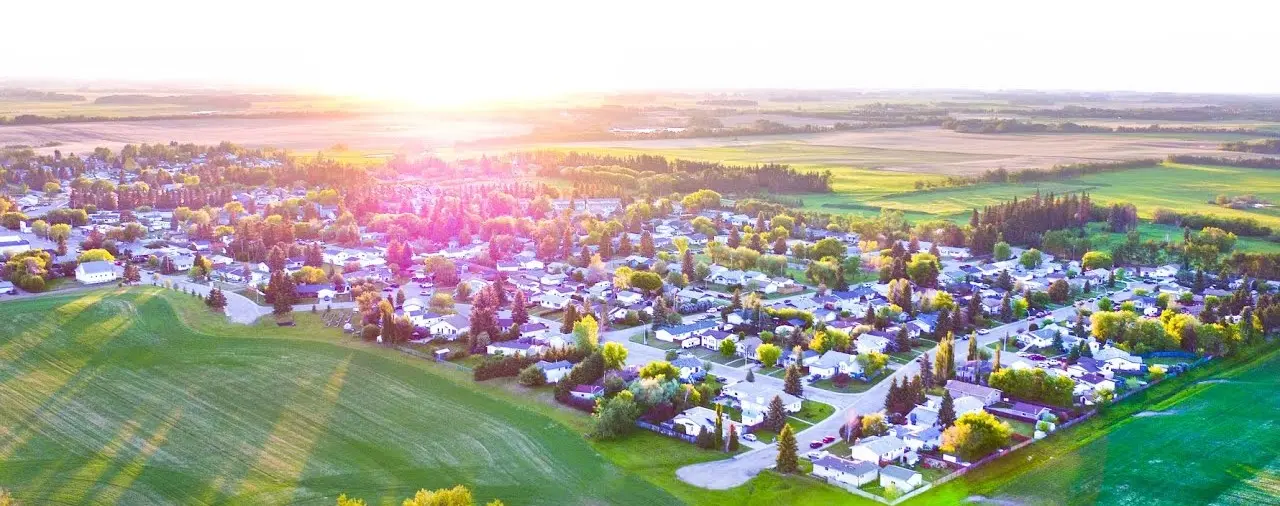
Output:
x,y
444,52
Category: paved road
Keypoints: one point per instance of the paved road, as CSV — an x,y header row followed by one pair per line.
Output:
x,y
729,473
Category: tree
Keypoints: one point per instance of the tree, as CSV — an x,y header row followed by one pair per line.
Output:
x,y
872,363
924,269
791,384
787,451
751,376
733,437
728,348
973,349
995,362
456,496
1096,260
95,255
659,369
615,355
1031,258
944,367
874,425
650,282
947,412
719,434
519,309
768,354
775,416
1059,291
532,376
586,333
1001,251
975,435
216,299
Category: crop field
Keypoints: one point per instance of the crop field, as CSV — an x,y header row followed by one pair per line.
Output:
x,y
918,150
1213,440
112,397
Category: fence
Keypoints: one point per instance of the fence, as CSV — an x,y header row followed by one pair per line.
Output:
x,y
665,431
412,352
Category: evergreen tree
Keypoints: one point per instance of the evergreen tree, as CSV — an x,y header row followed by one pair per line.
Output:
x,y
842,284
776,416
791,384
902,341
570,317
926,369
751,376
719,434
995,361
917,391
947,412
787,451
1006,308
734,240
733,437
973,348
893,399
705,439
944,363
686,266
519,309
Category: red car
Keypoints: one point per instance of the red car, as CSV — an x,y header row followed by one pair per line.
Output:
x,y
815,444
828,439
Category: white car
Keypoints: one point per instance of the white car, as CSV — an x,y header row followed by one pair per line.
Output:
x,y
984,331
750,437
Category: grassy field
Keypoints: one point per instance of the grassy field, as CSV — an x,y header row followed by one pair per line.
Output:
x,y
1208,438
144,397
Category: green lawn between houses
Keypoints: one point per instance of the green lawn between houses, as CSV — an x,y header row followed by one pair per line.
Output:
x,y
141,396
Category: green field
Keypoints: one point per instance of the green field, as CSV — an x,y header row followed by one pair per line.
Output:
x,y
1209,438
142,396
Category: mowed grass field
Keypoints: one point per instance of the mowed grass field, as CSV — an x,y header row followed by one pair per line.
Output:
x,y
142,396
113,397
1205,439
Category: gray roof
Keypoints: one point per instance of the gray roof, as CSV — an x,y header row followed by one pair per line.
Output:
x,y
854,467
97,267
559,364
971,389
898,473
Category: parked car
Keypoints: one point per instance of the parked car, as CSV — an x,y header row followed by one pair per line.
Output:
x,y
813,455
984,332
750,437
815,444
829,439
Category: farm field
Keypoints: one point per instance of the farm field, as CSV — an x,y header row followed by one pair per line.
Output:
x,y
1211,440
917,150
142,396
110,397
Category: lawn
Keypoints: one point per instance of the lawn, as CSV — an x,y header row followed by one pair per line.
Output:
x,y
854,387
1211,429
141,396
813,411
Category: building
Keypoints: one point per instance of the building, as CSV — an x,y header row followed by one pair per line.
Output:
x,y
879,449
554,371
756,396
852,472
12,245
587,392
697,418
512,348
833,362
959,389
96,272
451,327
901,478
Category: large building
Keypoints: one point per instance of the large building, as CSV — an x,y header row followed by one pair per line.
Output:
x,y
96,272
12,245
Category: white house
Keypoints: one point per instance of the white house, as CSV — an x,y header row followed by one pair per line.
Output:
x,y
551,300
960,389
756,396
868,343
697,418
512,348
1116,359
450,327
12,245
554,371
711,340
96,272
901,478
852,472
833,362
670,334
878,449
688,365
628,298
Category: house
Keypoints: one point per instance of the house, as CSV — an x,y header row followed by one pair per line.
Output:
x,y
833,362
1040,338
670,334
1116,359
927,438
688,365
868,343
923,416
628,297
534,329
554,371
587,392
712,340
747,347
878,449
96,272
512,348
11,245
852,472
959,389
450,327
968,404
901,478
805,359
1087,365
756,396
697,418
552,300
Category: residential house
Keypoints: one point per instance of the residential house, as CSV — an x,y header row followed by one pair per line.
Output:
x,y
851,472
513,348
756,396
869,342
901,478
96,272
670,334
551,300
11,245
554,371
587,392
805,359
450,327
878,449
747,348
697,418
688,365
713,339
833,362
1116,359
959,389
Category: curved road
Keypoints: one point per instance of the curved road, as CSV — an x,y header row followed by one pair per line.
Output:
x,y
729,473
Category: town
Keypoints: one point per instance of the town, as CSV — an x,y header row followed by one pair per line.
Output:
x,y
872,354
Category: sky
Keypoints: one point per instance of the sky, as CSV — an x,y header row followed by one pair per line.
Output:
x,y
450,52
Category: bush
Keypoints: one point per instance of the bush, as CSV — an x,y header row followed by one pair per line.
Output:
x,y
532,377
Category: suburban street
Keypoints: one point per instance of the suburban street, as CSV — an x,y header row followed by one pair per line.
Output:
x,y
729,473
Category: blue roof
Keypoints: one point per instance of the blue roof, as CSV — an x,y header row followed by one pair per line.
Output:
x,y
691,327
